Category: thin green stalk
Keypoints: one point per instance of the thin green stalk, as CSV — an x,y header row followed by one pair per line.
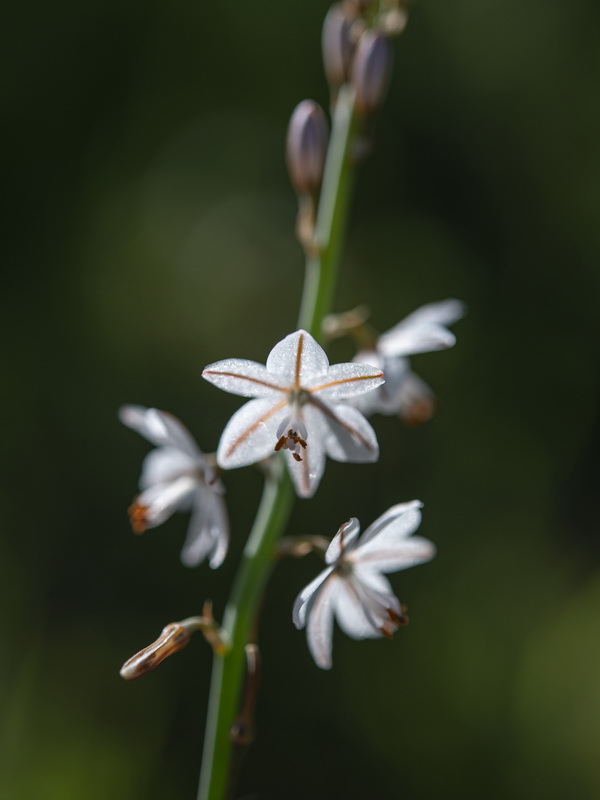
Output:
x,y
276,504
228,670
322,268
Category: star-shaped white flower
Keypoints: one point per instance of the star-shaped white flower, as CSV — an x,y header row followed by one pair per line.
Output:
x,y
297,407
353,587
177,476
404,392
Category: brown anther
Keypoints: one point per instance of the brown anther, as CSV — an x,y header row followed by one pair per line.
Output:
x,y
398,619
137,517
290,442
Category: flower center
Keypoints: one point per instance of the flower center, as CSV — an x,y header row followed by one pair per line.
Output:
x,y
291,441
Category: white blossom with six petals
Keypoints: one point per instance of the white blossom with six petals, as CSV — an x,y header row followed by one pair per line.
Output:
x,y
353,587
404,392
297,406
177,476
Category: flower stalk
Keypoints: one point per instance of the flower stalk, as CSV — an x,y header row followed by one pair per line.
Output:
x,y
322,267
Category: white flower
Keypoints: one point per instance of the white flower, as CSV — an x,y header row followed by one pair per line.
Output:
x,y
404,392
353,587
178,477
297,408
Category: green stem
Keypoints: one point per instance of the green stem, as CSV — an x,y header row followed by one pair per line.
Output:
x,y
276,504
228,670
330,228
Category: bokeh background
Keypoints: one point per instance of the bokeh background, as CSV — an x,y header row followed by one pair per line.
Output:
x,y
149,231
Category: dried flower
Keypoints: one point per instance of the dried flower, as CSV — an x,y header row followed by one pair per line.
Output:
x,y
177,476
297,408
353,588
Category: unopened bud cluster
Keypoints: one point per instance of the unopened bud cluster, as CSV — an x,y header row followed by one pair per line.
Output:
x,y
356,49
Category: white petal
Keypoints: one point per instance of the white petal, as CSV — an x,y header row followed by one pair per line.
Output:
x,y
306,474
423,330
349,436
386,556
250,435
405,341
446,312
386,398
401,519
159,428
162,500
208,532
351,611
306,598
166,464
297,358
319,624
343,540
345,380
243,377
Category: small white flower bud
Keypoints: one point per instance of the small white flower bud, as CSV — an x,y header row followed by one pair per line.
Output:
x,y
337,45
371,70
306,147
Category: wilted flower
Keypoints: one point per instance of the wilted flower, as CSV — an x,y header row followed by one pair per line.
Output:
x,y
177,476
404,393
296,408
353,588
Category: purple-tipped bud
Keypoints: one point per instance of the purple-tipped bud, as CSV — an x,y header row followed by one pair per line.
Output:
x,y
337,44
306,147
371,70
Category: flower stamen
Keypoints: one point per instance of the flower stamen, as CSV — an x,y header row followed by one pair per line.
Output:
x,y
138,517
292,441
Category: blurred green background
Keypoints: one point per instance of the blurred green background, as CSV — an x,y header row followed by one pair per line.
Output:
x,y
149,231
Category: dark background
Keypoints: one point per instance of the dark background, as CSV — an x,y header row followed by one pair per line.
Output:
x,y
149,231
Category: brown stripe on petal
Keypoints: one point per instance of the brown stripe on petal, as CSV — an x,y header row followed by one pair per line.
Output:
x,y
254,426
305,472
344,380
244,378
348,428
299,358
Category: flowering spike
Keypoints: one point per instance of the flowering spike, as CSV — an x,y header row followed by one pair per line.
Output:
x,y
371,70
306,146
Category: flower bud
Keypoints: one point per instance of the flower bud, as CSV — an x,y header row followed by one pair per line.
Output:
x,y
337,45
174,637
306,147
371,69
